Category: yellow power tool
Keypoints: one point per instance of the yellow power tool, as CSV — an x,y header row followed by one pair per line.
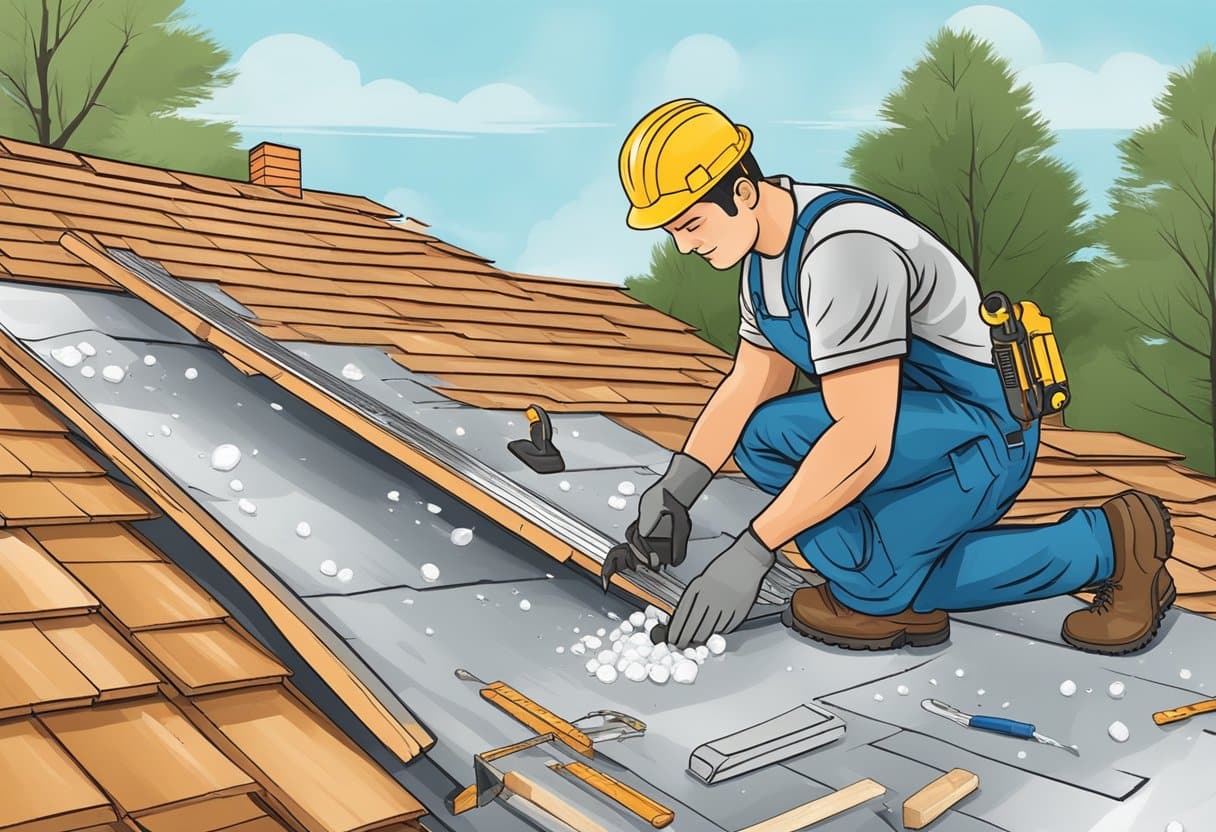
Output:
x,y
1027,357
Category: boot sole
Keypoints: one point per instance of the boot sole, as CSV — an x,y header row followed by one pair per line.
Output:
x,y
903,638
1164,602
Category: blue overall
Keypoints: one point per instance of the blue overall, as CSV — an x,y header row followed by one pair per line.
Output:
x,y
922,535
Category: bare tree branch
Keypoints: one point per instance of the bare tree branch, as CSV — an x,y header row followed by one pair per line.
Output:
x,y
91,98
1162,389
1175,245
78,11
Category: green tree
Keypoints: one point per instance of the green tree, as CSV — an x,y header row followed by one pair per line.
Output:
x,y
106,77
968,157
691,290
1144,361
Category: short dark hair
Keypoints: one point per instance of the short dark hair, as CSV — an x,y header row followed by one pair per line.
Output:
x,y
722,193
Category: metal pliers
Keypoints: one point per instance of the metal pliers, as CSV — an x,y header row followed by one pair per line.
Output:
x,y
654,552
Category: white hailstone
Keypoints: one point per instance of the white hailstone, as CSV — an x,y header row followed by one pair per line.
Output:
x,y
574,433
618,646
176,415
225,457
659,651
432,508
149,360
68,356
559,649
246,506
651,612
702,653
626,627
393,496
87,349
980,692
88,372
576,630
716,644
113,373
614,635
1068,687
1021,755
578,648
635,672
789,668
1174,826
667,661
690,653
462,537
606,657
408,601
637,618
960,673
329,568
430,573
659,674
878,697
627,488
617,502
276,406
645,650
601,632
237,485
621,664
303,529
564,485
685,672
479,596
631,654
651,624
592,642
1004,704
165,430
592,666
352,372
606,673
430,631
933,682
902,690
1116,690
255,451
346,575
525,605
613,616
1118,731
1184,674
191,373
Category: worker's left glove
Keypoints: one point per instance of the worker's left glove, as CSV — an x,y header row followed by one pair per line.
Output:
x,y
719,599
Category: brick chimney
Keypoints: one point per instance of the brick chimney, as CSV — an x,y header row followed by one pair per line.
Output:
x,y
276,165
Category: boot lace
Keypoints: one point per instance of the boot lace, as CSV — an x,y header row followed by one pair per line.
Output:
x,y
1103,597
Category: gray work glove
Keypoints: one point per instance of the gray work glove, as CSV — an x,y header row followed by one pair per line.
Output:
x,y
718,600
685,479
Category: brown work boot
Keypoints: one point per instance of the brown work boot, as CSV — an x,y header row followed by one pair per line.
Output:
x,y
814,613
1128,607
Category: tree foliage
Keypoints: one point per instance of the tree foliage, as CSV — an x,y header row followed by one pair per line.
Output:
x,y
968,157
107,77
1144,361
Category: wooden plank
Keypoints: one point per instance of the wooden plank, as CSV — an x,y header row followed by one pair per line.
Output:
x,y
1060,467
94,543
1162,481
327,654
352,202
32,502
47,456
203,658
278,304
176,763
931,802
560,390
35,675
110,167
1197,523
440,364
668,431
39,272
304,762
33,585
1190,546
10,466
416,263
104,657
146,595
825,807
40,153
1076,487
1088,444
39,250
25,411
30,761
208,816
102,498
1190,580
624,355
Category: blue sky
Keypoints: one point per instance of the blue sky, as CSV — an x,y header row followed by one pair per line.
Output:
x,y
499,123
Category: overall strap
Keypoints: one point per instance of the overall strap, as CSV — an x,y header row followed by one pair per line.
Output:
x,y
813,210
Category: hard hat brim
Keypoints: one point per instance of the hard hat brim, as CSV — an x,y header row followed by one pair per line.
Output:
x,y
669,206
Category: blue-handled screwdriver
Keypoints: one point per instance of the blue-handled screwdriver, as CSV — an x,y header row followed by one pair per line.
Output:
x,y
996,724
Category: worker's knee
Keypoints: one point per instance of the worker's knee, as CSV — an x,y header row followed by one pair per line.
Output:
x,y
848,550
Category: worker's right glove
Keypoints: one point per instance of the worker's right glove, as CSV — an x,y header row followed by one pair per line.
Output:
x,y
684,481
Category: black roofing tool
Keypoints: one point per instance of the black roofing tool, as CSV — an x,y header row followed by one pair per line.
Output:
x,y
651,551
538,452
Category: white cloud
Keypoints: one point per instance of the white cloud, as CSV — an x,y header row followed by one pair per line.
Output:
x,y
1118,95
300,84
699,66
587,239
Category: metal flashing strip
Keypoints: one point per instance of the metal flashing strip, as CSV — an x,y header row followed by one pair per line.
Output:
x,y
776,590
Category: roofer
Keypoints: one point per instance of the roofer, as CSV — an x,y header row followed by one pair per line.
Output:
x,y
890,476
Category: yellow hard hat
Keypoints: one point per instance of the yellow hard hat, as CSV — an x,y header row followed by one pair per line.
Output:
x,y
674,155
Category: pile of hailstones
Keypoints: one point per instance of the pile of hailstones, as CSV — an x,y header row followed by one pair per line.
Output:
x,y
628,651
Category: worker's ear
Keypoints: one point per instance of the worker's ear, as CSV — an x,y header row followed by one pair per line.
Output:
x,y
747,195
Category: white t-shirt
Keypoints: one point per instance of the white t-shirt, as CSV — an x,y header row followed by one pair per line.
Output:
x,y
871,279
